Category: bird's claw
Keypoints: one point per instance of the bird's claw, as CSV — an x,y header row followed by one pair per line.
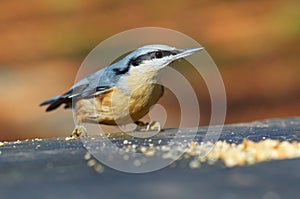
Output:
x,y
79,130
152,126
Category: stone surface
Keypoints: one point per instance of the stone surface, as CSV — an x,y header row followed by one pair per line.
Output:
x,y
54,168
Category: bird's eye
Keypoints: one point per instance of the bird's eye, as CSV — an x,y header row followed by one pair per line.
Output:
x,y
158,54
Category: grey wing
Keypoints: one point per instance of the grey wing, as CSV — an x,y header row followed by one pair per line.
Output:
x,y
88,87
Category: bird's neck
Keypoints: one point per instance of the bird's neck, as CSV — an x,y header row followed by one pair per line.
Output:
x,y
136,80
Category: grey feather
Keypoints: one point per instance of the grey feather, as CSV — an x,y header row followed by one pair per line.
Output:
x,y
93,84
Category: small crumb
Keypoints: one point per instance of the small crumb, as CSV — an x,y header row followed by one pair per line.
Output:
x,y
37,146
1,144
186,156
126,157
143,149
125,142
87,156
149,153
91,163
211,161
137,163
194,164
38,139
99,168
167,155
165,148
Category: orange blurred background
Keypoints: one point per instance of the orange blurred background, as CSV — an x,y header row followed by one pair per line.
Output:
x,y
255,44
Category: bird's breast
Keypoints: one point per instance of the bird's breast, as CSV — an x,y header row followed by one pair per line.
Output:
x,y
125,103
122,107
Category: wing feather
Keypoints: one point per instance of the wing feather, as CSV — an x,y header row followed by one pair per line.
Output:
x,y
83,89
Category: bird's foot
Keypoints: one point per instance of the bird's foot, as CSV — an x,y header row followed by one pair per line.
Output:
x,y
79,130
152,126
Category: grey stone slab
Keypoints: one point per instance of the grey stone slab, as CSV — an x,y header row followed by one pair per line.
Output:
x,y
54,168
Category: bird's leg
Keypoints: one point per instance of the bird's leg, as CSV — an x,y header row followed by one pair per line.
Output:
x,y
152,126
141,124
78,130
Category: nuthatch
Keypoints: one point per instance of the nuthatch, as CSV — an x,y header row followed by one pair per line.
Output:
x,y
123,92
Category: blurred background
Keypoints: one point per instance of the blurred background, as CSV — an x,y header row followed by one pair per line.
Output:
x,y
255,44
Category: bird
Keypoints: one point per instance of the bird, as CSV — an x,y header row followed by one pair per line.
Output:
x,y
122,92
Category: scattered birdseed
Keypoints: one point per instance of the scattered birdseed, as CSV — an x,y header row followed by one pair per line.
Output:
x,y
198,153
17,142
249,152
232,154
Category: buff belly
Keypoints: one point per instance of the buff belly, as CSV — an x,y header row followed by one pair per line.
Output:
x,y
116,106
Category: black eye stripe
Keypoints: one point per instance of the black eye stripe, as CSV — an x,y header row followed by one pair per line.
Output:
x,y
158,54
163,53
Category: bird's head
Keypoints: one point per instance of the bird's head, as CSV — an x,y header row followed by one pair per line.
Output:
x,y
156,57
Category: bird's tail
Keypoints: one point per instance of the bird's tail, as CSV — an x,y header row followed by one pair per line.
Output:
x,y
56,101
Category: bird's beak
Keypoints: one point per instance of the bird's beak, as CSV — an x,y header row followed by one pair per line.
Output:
x,y
187,52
